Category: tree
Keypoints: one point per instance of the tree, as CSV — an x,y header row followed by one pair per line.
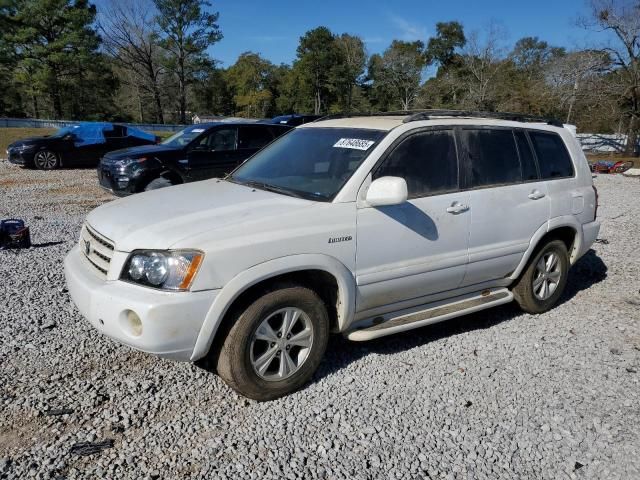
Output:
x,y
131,38
317,57
187,31
352,59
400,69
249,79
56,47
441,49
622,19
482,62
530,54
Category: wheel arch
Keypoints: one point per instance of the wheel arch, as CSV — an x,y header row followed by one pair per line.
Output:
x,y
566,229
324,274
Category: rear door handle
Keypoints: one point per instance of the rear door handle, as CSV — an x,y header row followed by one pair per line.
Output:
x,y
457,208
536,195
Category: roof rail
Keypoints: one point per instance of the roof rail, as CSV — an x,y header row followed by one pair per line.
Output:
x,y
516,117
396,113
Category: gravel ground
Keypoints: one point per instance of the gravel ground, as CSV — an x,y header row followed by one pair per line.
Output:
x,y
498,394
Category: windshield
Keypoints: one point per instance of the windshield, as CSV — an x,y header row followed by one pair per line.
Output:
x,y
183,137
312,163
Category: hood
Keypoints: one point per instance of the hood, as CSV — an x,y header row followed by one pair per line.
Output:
x,y
141,151
29,141
160,219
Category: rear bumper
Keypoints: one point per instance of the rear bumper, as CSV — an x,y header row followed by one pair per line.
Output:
x,y
589,234
170,321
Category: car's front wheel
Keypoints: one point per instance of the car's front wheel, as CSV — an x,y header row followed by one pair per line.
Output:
x,y
46,160
275,344
156,183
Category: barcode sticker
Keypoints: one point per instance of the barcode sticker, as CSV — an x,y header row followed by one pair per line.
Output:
x,y
353,143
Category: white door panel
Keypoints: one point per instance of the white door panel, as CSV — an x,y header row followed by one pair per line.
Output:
x,y
503,221
411,250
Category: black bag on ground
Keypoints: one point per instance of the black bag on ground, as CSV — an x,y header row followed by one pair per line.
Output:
x,y
14,234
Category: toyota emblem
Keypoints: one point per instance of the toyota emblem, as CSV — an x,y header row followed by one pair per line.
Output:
x,y
87,247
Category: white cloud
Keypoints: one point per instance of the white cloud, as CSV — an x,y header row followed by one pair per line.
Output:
x,y
409,31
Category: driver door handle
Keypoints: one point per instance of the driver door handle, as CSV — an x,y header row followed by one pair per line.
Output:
x,y
457,208
536,195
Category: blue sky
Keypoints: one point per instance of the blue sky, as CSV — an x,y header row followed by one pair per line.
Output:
x,y
272,28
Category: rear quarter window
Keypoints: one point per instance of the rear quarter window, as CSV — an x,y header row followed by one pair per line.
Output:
x,y
553,158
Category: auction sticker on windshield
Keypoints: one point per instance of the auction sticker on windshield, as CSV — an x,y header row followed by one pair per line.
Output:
x,y
354,143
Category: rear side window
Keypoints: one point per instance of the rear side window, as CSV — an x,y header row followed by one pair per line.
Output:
x,y
492,156
427,161
553,158
254,137
528,163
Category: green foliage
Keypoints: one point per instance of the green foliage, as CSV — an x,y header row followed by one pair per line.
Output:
x,y
57,55
250,81
187,31
441,49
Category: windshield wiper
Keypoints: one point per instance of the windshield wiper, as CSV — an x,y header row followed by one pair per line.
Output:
x,y
271,188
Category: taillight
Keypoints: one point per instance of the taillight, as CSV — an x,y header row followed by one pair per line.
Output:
x,y
595,212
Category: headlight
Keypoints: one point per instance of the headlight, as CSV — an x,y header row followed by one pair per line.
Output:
x,y
168,270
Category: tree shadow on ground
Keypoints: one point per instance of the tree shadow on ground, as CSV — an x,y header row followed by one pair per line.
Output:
x,y
589,270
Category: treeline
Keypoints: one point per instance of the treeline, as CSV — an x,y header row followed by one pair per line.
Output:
x,y
151,61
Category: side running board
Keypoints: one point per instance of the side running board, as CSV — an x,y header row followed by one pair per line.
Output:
x,y
427,314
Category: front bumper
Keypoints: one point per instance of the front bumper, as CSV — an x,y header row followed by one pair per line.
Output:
x,y
20,157
171,321
108,179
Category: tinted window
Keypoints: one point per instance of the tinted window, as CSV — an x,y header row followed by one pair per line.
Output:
x,y
254,137
221,139
553,158
493,158
529,169
426,160
118,131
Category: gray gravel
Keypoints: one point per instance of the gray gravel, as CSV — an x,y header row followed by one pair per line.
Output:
x,y
498,394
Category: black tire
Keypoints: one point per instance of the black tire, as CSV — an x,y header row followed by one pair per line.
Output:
x,y
527,290
234,359
156,183
46,160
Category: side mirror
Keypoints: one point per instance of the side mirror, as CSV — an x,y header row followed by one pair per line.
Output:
x,y
387,191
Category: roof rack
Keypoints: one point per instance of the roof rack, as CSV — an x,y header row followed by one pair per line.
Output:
x,y
515,117
395,113
416,115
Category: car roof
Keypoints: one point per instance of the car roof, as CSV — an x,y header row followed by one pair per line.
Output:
x,y
240,122
434,118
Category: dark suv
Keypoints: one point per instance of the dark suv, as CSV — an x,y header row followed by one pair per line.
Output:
x,y
196,153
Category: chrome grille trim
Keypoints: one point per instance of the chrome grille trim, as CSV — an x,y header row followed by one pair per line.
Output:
x,y
100,250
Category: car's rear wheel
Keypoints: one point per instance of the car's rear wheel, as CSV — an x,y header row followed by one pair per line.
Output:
x,y
46,160
543,281
275,344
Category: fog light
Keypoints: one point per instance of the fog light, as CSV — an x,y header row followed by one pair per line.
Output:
x,y
122,181
133,323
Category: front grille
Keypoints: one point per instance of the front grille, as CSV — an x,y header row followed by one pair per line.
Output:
x,y
97,249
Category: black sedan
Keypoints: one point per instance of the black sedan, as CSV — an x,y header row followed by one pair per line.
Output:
x,y
198,152
78,145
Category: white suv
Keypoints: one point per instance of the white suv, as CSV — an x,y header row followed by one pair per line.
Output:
x,y
364,226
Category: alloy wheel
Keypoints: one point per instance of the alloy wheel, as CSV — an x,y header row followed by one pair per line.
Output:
x,y
547,276
46,160
281,344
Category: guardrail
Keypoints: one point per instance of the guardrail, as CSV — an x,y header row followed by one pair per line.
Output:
x,y
36,123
